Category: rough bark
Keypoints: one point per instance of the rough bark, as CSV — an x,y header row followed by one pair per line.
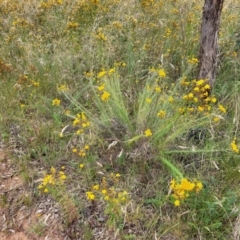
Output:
x,y
208,59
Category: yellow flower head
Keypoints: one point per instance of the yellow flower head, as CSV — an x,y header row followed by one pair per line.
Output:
x,y
148,133
104,191
186,185
193,60
234,146
56,102
158,89
102,74
200,82
90,196
162,73
148,100
222,108
96,187
198,186
101,87
62,87
161,114
105,96
177,203
81,165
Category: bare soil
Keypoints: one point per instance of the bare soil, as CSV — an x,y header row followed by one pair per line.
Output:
x,y
20,217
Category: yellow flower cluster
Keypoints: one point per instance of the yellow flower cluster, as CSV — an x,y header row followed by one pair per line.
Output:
x,y
63,87
54,178
50,3
198,99
148,133
161,114
100,35
81,152
72,25
56,102
120,64
181,190
81,121
104,94
109,194
161,72
104,73
193,60
234,146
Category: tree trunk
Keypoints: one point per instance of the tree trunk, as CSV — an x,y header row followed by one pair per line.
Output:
x,y
208,59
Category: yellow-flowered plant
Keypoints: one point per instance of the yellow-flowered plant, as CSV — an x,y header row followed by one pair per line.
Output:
x,y
148,133
82,122
105,96
56,102
182,189
234,146
54,179
198,98
111,194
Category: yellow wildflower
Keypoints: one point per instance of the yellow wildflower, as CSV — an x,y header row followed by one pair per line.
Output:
x,y
105,96
200,82
102,74
101,87
88,74
170,99
216,119
176,203
81,165
56,102
96,187
193,60
53,170
74,150
79,131
196,89
35,84
186,185
158,89
181,110
148,100
111,71
222,108
198,186
106,198
62,175
234,146
161,114
90,195
82,153
104,191
213,100
207,87
200,108
148,133
162,73
190,96
62,87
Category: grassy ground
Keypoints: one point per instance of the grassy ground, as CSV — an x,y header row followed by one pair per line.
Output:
x,y
102,113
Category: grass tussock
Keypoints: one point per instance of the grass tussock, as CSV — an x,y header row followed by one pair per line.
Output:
x,y
102,96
